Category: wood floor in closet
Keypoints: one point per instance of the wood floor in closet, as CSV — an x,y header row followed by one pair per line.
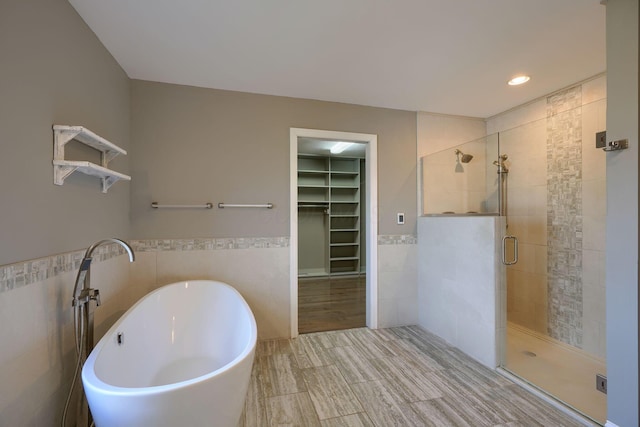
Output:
x,y
331,303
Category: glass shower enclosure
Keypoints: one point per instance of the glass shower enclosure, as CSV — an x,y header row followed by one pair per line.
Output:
x,y
548,184
461,180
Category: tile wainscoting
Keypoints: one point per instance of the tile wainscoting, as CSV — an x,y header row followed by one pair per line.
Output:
x,y
29,272
397,280
257,266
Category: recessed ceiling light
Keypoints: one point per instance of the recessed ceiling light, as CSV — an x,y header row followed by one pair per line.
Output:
x,y
518,80
340,146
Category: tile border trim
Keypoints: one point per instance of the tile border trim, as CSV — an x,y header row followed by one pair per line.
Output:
x,y
23,273
398,239
209,244
20,274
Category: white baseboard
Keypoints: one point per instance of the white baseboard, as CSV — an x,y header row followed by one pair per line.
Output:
x,y
610,424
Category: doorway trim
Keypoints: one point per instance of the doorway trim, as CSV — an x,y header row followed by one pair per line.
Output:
x,y
371,217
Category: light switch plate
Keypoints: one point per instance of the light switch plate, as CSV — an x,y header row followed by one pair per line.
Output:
x,y
601,139
400,218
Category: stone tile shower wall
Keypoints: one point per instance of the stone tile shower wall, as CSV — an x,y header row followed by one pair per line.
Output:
x,y
557,209
564,216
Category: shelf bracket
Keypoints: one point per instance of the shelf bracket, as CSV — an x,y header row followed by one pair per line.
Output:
x,y
107,156
61,138
60,173
108,181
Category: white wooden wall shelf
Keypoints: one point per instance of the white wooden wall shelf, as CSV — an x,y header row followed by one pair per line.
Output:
x,y
62,168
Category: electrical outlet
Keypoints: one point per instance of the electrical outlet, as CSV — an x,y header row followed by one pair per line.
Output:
x,y
601,383
400,218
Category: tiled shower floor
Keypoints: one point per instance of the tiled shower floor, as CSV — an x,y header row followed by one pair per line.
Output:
x,y
387,377
564,371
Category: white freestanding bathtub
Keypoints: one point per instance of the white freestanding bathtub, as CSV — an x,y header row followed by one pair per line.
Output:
x,y
181,356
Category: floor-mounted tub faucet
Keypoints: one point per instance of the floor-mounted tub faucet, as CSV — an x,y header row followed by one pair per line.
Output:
x,y
86,294
83,294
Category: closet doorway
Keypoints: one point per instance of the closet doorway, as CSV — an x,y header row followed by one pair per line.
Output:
x,y
333,246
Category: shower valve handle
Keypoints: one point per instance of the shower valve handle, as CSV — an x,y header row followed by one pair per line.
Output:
x,y
95,295
87,295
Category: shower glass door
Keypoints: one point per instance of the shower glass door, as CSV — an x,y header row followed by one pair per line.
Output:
x,y
555,335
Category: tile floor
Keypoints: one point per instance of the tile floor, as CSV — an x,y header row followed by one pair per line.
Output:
x,y
387,377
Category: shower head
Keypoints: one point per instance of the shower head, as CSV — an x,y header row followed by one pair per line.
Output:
x,y
466,158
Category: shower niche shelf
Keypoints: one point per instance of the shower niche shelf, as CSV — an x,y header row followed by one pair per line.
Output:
x,y
63,134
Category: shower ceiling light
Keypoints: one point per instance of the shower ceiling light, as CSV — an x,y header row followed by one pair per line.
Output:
x,y
340,146
518,80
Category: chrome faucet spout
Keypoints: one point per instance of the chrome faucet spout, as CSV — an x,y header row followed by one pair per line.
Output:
x,y
121,242
85,264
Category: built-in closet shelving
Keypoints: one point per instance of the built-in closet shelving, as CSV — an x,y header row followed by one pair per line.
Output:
x,y
62,168
333,185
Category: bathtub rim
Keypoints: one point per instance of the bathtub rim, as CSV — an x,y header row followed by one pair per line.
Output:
x,y
90,379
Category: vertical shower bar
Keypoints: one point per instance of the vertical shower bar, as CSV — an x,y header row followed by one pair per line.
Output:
x,y
504,201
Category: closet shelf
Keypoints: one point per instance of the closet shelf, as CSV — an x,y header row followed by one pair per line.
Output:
x,y
313,171
63,134
332,183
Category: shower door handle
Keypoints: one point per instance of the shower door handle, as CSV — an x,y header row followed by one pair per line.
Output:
x,y
504,250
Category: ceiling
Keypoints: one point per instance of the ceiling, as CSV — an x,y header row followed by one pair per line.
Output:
x,y
441,56
322,147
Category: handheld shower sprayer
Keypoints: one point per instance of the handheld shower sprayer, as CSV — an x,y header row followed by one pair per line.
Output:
x,y
502,168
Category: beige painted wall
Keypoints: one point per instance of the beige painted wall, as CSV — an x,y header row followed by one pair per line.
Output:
x,y
194,145
54,70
